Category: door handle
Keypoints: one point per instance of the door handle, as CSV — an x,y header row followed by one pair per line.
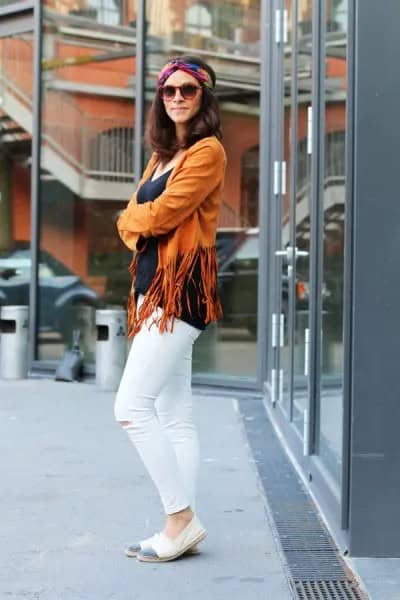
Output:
x,y
291,253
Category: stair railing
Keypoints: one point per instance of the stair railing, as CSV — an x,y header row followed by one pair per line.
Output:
x,y
98,147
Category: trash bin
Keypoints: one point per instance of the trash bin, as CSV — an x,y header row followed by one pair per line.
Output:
x,y
110,347
14,342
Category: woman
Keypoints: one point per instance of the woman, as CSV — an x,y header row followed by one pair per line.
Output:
x,y
170,223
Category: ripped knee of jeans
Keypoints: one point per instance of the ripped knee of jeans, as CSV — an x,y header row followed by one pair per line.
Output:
x,y
125,424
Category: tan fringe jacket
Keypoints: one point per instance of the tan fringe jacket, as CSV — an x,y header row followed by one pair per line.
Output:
x,y
184,219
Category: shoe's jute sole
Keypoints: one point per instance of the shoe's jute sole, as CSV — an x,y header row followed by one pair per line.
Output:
x,y
132,554
196,541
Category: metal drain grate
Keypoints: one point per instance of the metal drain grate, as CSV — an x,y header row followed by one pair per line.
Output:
x,y
327,590
318,572
314,565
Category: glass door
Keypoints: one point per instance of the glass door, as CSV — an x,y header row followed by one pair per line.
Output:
x,y
301,231
292,184
330,405
308,209
284,188
308,188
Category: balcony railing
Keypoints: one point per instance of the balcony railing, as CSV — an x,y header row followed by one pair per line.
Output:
x,y
97,147
106,12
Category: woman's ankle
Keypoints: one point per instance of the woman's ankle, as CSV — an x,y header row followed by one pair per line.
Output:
x,y
183,515
177,522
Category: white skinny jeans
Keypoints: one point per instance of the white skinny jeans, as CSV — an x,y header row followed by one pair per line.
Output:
x,y
155,398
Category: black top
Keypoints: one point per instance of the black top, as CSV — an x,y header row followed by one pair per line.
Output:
x,y
148,259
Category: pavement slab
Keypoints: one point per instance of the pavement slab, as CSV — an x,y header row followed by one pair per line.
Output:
x,y
74,493
379,576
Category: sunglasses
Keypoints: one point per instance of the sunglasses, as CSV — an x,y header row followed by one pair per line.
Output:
x,y
188,91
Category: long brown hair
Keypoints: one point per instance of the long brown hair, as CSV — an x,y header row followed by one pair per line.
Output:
x,y
160,130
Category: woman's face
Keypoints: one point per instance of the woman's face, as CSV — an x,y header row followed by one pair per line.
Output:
x,y
179,109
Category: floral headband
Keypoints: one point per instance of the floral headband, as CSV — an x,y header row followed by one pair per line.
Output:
x,y
191,68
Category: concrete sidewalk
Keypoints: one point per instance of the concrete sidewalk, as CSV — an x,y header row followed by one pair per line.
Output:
x,y
74,492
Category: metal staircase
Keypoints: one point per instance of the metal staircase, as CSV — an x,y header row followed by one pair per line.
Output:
x,y
92,156
14,137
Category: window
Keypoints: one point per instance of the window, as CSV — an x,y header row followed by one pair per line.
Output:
x,y
249,187
198,19
108,11
339,11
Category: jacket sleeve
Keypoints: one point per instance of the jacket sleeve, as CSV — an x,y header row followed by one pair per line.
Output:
x,y
131,238
199,175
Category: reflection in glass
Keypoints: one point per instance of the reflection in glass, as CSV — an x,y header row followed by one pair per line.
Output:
x,y
226,34
284,264
302,214
105,12
198,19
331,393
16,62
86,176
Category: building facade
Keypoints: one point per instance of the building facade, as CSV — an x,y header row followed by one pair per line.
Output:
x,y
310,319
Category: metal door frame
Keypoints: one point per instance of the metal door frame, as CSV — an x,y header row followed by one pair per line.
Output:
x,y
17,18
316,223
274,224
267,126
269,153
336,503
315,212
293,194
293,149
277,199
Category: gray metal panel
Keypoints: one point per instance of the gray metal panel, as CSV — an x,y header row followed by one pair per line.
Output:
x,y
348,269
317,177
264,334
140,88
35,181
375,449
276,136
278,155
293,193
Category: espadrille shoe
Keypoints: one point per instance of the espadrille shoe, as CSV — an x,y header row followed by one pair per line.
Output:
x,y
163,549
132,550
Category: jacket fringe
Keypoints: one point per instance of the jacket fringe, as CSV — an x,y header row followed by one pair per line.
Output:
x,y
168,288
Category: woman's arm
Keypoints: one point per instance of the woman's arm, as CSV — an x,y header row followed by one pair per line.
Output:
x,y
131,238
200,173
